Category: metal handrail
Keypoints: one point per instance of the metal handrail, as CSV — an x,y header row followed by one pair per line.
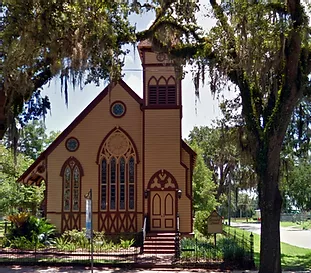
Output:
x,y
144,228
144,231
177,223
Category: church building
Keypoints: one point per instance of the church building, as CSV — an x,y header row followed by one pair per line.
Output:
x,y
129,151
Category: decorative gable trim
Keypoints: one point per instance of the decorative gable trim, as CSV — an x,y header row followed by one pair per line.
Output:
x,y
78,120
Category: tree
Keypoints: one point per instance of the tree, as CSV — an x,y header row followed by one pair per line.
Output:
x,y
218,152
78,41
204,190
222,157
33,139
14,196
296,185
262,49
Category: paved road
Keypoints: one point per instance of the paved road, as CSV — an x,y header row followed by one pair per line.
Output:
x,y
290,235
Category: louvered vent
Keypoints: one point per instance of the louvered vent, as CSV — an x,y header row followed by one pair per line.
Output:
x,y
152,94
162,94
171,94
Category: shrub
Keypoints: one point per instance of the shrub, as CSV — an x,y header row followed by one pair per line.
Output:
x,y
64,244
232,251
127,243
200,222
78,238
32,232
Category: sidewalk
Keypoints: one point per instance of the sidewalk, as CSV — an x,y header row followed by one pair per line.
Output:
x,y
36,269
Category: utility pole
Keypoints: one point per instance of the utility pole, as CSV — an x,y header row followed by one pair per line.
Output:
x,y
229,201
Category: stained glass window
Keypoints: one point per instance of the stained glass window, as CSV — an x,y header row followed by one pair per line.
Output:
x,y
113,183
104,185
131,199
131,170
67,189
76,188
71,187
72,144
122,183
118,109
118,178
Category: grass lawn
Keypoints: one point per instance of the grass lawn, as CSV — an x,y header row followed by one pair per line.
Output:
x,y
290,224
292,257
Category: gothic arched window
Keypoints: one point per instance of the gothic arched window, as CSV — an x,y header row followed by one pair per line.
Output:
x,y
118,173
71,173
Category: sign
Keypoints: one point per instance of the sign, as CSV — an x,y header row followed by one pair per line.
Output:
x,y
88,212
214,223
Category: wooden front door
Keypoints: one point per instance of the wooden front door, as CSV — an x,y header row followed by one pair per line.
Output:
x,y
162,211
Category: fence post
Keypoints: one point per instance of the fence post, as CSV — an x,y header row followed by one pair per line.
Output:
x,y
252,250
196,249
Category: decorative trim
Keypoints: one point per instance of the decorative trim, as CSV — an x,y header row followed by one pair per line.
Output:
x,y
111,109
163,179
67,162
69,139
108,135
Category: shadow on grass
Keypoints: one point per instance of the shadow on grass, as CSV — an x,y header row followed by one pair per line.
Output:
x,y
290,262
296,262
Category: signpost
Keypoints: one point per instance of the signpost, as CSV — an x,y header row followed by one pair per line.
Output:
x,y
89,223
214,224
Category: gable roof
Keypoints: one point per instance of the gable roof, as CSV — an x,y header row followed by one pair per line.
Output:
x,y
77,120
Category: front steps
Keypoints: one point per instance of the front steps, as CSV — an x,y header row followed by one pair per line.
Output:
x,y
159,243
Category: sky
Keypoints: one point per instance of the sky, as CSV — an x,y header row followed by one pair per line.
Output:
x,y
195,112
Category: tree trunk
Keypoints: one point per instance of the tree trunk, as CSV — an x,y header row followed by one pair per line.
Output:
x,y
270,201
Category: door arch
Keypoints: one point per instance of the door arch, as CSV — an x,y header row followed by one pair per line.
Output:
x,y
162,205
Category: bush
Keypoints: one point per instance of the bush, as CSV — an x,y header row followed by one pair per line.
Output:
x,y
30,233
232,251
200,222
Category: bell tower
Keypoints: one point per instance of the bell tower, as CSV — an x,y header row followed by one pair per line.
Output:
x,y
162,113
162,88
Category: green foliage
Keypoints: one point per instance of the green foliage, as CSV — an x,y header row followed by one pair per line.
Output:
x,y
77,238
204,189
296,183
126,243
32,233
32,139
72,240
220,153
232,251
83,45
63,244
14,196
200,222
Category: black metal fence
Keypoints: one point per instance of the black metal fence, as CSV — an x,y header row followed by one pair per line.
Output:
x,y
111,249
232,250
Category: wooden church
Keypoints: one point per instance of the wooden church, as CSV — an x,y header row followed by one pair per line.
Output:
x,y
130,152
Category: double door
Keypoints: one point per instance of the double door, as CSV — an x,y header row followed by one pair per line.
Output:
x,y
162,210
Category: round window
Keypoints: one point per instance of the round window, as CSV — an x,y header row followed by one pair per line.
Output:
x,y
72,144
118,109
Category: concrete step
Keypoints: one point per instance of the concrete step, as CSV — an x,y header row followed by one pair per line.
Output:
x,y
159,243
